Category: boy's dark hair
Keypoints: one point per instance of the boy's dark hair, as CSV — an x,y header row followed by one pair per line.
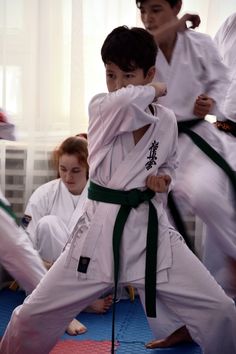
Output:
x,y
130,48
171,2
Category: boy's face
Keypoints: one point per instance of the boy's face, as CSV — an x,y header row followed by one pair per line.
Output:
x,y
117,78
155,13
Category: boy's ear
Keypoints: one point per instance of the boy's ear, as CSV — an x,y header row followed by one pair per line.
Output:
x,y
177,7
151,73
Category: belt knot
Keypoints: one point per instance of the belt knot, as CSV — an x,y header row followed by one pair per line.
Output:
x,y
135,197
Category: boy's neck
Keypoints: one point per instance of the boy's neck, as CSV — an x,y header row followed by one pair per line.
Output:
x,y
167,47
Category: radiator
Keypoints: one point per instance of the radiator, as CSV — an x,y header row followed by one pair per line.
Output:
x,y
24,167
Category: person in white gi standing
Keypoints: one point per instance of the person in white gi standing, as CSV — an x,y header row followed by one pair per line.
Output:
x,y
225,40
132,146
196,82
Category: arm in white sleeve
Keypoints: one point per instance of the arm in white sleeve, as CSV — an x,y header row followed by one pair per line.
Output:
x,y
118,112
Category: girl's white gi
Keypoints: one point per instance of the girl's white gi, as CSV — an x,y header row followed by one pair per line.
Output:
x,y
17,254
52,213
183,284
196,68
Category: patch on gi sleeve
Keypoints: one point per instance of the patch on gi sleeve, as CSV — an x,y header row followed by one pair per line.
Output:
x,y
26,220
83,264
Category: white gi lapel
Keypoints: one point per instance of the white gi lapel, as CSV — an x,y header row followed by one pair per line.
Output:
x,y
122,178
79,209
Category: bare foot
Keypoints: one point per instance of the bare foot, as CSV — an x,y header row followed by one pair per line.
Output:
x,y
100,305
181,335
75,328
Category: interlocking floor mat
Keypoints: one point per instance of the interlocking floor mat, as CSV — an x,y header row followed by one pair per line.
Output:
x,y
82,346
132,330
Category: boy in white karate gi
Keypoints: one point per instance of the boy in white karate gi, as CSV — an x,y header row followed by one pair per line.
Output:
x,y
196,82
132,146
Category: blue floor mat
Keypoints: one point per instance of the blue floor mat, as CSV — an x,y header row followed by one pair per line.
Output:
x,y
132,330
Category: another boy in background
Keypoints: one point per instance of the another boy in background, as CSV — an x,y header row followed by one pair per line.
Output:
x,y
188,62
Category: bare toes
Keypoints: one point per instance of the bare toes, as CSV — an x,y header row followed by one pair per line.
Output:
x,y
75,328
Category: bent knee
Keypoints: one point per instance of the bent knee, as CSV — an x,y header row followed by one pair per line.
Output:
x,y
23,315
46,222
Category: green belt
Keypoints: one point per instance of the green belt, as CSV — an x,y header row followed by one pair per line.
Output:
x,y
185,127
210,152
9,210
128,200
178,220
